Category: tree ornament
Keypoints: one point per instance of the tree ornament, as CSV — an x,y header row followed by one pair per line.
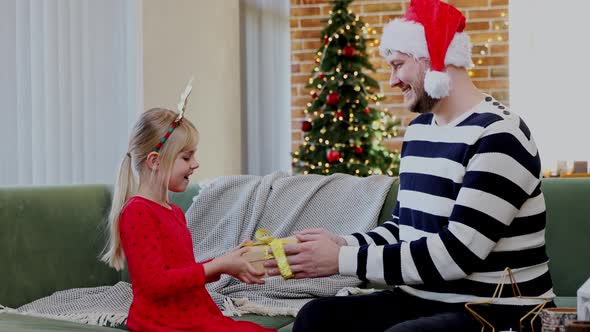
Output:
x,y
332,156
332,98
348,51
306,126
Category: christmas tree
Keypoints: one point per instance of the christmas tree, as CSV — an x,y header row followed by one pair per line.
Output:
x,y
343,132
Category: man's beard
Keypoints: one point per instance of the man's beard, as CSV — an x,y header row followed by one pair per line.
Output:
x,y
424,103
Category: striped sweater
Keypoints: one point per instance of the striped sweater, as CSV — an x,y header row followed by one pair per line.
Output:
x,y
469,205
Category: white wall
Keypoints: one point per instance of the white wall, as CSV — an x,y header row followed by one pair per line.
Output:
x,y
549,87
201,38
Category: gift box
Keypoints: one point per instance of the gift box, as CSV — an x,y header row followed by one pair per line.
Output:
x,y
260,251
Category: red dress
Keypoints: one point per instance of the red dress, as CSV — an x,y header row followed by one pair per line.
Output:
x,y
168,285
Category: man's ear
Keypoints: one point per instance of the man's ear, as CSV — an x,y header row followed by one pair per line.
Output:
x,y
425,62
153,161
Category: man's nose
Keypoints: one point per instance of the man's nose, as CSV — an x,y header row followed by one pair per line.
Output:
x,y
393,80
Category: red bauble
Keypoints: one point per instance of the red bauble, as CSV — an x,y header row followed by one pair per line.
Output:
x,y
339,114
366,111
358,150
305,126
314,95
348,51
326,40
333,156
321,76
332,98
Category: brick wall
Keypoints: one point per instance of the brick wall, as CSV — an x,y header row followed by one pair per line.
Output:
x,y
487,24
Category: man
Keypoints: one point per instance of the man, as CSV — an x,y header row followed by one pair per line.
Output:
x,y
469,203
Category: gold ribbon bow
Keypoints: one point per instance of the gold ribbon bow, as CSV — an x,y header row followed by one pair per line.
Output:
x,y
278,253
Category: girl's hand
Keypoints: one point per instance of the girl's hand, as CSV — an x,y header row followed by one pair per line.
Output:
x,y
238,267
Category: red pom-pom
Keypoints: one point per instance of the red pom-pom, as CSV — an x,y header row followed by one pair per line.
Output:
x,y
305,126
326,40
358,150
332,156
348,51
366,111
332,98
339,114
314,95
321,76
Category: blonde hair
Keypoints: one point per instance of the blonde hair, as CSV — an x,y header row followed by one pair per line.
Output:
x,y
147,133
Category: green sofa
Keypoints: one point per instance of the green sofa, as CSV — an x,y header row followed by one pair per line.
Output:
x,y
50,238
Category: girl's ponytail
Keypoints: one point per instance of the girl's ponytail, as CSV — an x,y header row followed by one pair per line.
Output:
x,y
124,189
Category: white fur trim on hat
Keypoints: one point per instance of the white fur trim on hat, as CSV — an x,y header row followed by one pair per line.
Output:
x,y
408,37
436,84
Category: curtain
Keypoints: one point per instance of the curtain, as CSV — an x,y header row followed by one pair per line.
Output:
x,y
266,86
71,87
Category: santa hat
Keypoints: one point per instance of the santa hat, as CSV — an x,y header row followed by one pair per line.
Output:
x,y
430,29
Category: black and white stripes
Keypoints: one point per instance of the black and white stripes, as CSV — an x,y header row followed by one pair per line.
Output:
x,y
469,205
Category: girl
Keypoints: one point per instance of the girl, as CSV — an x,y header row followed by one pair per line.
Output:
x,y
168,285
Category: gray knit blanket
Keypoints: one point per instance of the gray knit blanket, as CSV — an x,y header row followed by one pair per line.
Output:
x,y
230,210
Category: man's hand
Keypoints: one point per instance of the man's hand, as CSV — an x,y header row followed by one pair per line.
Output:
x,y
315,256
339,240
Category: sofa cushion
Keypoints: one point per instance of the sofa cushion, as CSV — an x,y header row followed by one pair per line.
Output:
x,y
389,203
22,323
50,240
568,232
273,322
